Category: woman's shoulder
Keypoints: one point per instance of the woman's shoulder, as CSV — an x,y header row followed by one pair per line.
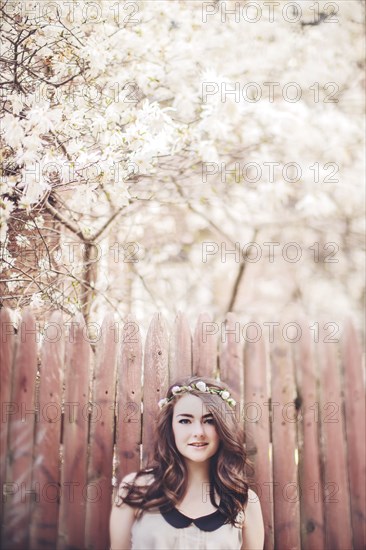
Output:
x,y
253,501
251,505
252,510
252,496
253,526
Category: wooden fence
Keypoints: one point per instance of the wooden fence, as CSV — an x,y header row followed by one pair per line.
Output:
x,y
71,418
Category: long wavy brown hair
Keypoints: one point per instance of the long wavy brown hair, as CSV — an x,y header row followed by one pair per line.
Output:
x,y
167,467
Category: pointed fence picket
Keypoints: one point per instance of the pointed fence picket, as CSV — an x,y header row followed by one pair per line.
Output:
x,y
336,490
74,465
18,486
355,413
46,470
128,402
80,407
180,349
155,379
101,439
205,347
231,356
283,419
257,429
7,350
311,504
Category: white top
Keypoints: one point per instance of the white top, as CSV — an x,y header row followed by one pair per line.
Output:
x,y
154,531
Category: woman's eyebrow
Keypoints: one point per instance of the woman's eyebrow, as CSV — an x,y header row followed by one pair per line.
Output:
x,y
191,415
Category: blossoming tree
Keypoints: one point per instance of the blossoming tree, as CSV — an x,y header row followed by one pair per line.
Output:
x,y
182,155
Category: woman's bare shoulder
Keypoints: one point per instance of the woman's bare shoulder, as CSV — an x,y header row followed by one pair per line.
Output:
x,y
253,527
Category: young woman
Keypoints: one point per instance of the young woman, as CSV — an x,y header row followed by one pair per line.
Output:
x,y
194,494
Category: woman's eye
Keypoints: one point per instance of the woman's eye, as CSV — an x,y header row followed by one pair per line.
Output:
x,y
186,420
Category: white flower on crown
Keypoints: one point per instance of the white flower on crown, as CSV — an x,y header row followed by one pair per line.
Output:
x,y
162,402
201,386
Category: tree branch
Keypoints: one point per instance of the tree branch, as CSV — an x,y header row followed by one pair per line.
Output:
x,y
67,223
239,278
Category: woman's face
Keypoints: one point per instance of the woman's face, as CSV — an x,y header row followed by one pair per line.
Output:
x,y
194,430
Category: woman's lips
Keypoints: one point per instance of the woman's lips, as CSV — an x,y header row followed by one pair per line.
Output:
x,y
198,445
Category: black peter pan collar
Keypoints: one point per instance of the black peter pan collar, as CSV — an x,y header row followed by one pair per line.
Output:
x,y
206,523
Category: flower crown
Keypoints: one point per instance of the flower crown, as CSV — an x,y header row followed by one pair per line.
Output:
x,y
202,387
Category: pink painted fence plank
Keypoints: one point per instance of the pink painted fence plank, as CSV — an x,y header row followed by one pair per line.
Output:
x,y
284,418
18,505
231,356
338,534
46,471
255,412
205,346
354,387
101,439
311,498
128,429
155,378
75,438
180,349
7,349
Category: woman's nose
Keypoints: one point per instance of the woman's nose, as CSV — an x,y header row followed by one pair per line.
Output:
x,y
198,429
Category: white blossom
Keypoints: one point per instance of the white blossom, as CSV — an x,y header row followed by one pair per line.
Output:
x,y
36,300
162,402
200,385
13,130
16,103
